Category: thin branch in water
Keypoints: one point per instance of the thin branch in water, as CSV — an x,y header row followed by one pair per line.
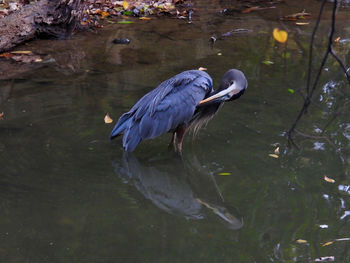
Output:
x,y
341,64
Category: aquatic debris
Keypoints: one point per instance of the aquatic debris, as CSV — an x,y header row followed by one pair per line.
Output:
x,y
277,150
224,173
201,68
268,62
273,155
325,259
302,23
296,16
301,241
108,119
121,41
329,180
280,36
291,91
327,243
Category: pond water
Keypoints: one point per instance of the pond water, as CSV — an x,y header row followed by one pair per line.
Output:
x,y
68,194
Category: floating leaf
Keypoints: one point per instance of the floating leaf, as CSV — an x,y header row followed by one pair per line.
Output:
x,y
280,35
291,91
268,62
323,226
337,39
108,119
301,241
125,5
21,52
250,9
224,173
329,180
273,155
296,16
124,22
144,18
343,239
327,243
201,68
219,54
302,23
277,150
324,259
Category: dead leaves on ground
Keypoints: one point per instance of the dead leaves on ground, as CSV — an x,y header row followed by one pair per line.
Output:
x,y
24,56
100,10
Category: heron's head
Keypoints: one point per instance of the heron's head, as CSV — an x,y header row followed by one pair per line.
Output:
x,y
233,85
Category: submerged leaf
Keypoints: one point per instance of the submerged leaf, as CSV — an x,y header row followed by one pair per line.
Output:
x,y
327,243
224,173
280,35
268,62
108,119
329,180
301,241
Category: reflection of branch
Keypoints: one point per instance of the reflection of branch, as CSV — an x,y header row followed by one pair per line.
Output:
x,y
310,92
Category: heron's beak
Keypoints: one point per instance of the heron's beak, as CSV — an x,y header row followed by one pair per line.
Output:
x,y
222,95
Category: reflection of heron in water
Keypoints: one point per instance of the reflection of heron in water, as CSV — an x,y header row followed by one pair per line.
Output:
x,y
178,187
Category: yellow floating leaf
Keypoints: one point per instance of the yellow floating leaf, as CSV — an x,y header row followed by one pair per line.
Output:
x,y
224,173
201,68
108,119
301,241
273,155
277,150
219,54
125,5
329,180
327,243
280,35
144,18
21,52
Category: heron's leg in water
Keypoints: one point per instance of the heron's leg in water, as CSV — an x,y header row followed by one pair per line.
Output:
x,y
180,133
172,142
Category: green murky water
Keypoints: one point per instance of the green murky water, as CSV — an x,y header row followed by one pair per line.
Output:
x,y
69,195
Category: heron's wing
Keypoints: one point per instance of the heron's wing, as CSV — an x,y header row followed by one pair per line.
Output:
x,y
163,109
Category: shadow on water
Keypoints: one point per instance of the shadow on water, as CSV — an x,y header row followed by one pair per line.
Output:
x,y
178,186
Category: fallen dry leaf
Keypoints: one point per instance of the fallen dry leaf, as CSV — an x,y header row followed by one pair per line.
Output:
x,y
6,55
296,16
327,243
280,35
337,40
201,68
329,180
250,9
224,173
273,155
125,5
21,52
301,241
108,119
